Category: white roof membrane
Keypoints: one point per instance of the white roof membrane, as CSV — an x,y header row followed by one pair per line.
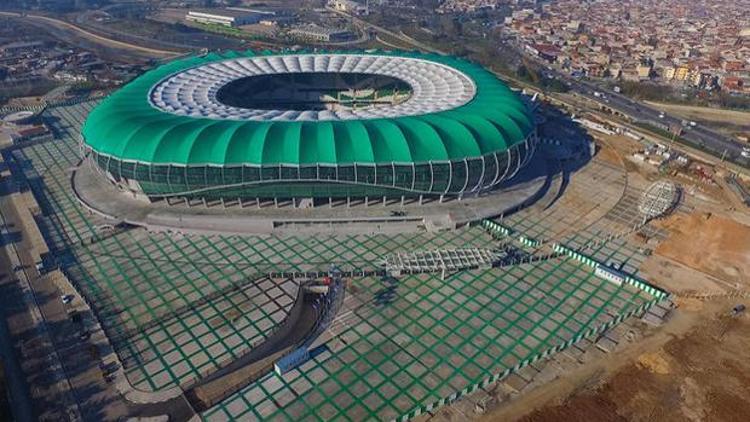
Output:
x,y
435,87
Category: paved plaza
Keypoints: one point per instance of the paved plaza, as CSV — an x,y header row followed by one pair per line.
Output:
x,y
400,347
177,307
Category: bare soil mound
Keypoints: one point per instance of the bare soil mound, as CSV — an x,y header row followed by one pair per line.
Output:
x,y
708,243
701,376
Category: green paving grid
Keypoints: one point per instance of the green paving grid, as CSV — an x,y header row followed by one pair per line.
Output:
x,y
439,337
266,401
50,162
582,196
165,267
139,281
436,338
135,292
620,250
617,212
616,251
139,291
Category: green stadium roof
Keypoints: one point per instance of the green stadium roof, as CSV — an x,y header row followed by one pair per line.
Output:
x,y
128,126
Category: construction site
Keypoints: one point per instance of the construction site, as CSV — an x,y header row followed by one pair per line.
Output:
x,y
611,278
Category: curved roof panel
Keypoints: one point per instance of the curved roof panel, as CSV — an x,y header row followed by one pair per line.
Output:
x,y
170,115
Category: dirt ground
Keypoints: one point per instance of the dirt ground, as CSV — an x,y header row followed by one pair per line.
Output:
x,y
615,149
606,152
709,243
706,113
677,277
728,122
702,375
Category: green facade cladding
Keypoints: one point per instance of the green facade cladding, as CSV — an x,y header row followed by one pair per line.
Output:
x,y
463,150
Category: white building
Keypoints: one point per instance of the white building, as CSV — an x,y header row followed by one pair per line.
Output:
x,y
226,17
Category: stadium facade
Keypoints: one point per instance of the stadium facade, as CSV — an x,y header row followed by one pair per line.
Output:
x,y
310,125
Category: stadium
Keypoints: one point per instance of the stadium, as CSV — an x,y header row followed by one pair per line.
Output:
x,y
206,306
311,125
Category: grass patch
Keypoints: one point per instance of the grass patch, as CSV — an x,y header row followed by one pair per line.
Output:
x,y
223,30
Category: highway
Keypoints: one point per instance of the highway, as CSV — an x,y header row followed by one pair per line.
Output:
x,y
698,136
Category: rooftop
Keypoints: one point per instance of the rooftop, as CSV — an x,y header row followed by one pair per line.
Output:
x,y
173,114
